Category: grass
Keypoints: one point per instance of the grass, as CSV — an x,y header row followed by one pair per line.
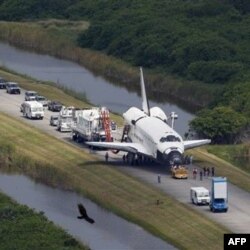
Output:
x,y
238,155
235,174
22,228
23,148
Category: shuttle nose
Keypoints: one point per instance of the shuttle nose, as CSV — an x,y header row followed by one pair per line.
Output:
x,y
175,158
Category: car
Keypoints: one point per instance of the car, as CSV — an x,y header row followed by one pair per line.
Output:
x,y
30,95
54,106
13,88
42,99
2,83
54,120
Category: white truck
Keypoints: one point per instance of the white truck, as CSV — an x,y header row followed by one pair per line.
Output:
x,y
89,124
199,196
65,119
219,195
32,110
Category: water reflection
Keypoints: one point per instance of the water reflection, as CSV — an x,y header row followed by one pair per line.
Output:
x,y
108,232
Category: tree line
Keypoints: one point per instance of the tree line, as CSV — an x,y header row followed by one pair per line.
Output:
x,y
205,41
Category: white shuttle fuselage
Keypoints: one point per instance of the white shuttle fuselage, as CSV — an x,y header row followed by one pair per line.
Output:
x,y
159,140
150,135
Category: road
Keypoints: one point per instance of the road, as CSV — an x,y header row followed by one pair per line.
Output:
x,y
237,219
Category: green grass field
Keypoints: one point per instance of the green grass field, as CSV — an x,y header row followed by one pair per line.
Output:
x,y
237,175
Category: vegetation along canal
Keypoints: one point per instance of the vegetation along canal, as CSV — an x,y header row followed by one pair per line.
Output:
x,y
108,232
77,78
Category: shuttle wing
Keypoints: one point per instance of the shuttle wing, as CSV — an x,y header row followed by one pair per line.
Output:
x,y
122,146
195,143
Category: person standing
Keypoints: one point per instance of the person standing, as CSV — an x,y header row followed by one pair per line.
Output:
x,y
200,175
204,171
107,156
194,173
159,179
191,159
208,171
213,171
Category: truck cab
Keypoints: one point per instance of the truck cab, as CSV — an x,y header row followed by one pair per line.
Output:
x,y
219,195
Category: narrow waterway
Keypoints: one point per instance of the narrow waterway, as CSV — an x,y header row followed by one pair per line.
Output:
x,y
108,232
68,74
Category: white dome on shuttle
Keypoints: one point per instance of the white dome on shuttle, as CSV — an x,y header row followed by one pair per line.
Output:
x,y
158,113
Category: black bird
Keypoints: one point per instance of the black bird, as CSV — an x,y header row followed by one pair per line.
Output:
x,y
83,213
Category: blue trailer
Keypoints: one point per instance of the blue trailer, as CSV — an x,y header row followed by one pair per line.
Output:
x,y
219,195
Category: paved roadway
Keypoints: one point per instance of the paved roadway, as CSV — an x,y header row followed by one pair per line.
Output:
x,y
237,219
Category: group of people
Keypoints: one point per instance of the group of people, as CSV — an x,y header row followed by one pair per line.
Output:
x,y
206,172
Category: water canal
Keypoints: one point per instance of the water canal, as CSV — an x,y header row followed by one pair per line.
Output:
x,y
108,232
68,74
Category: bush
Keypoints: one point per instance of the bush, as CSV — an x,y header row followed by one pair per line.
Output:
x,y
213,71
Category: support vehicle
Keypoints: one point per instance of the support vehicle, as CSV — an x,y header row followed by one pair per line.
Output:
x,y
54,106
179,172
33,110
54,120
92,125
42,100
219,195
199,196
13,88
2,83
30,95
65,119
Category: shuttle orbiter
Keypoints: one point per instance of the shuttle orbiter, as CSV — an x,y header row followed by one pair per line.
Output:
x,y
149,134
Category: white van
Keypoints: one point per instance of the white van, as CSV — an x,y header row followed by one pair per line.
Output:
x,y
199,195
33,110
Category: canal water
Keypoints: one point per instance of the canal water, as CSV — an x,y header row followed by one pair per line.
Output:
x,y
68,74
109,232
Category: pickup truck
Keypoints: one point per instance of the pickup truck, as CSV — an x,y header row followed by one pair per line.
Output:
x,y
13,88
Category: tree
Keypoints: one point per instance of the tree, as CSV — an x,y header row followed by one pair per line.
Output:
x,y
222,125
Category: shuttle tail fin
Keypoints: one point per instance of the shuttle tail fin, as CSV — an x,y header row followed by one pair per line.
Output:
x,y
145,105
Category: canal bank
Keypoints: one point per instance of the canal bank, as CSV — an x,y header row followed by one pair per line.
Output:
x,y
98,91
108,232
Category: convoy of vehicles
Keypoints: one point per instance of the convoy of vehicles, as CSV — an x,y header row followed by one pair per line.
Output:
x,y
13,88
219,196
199,196
33,110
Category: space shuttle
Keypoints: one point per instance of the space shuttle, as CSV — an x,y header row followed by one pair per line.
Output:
x,y
150,136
